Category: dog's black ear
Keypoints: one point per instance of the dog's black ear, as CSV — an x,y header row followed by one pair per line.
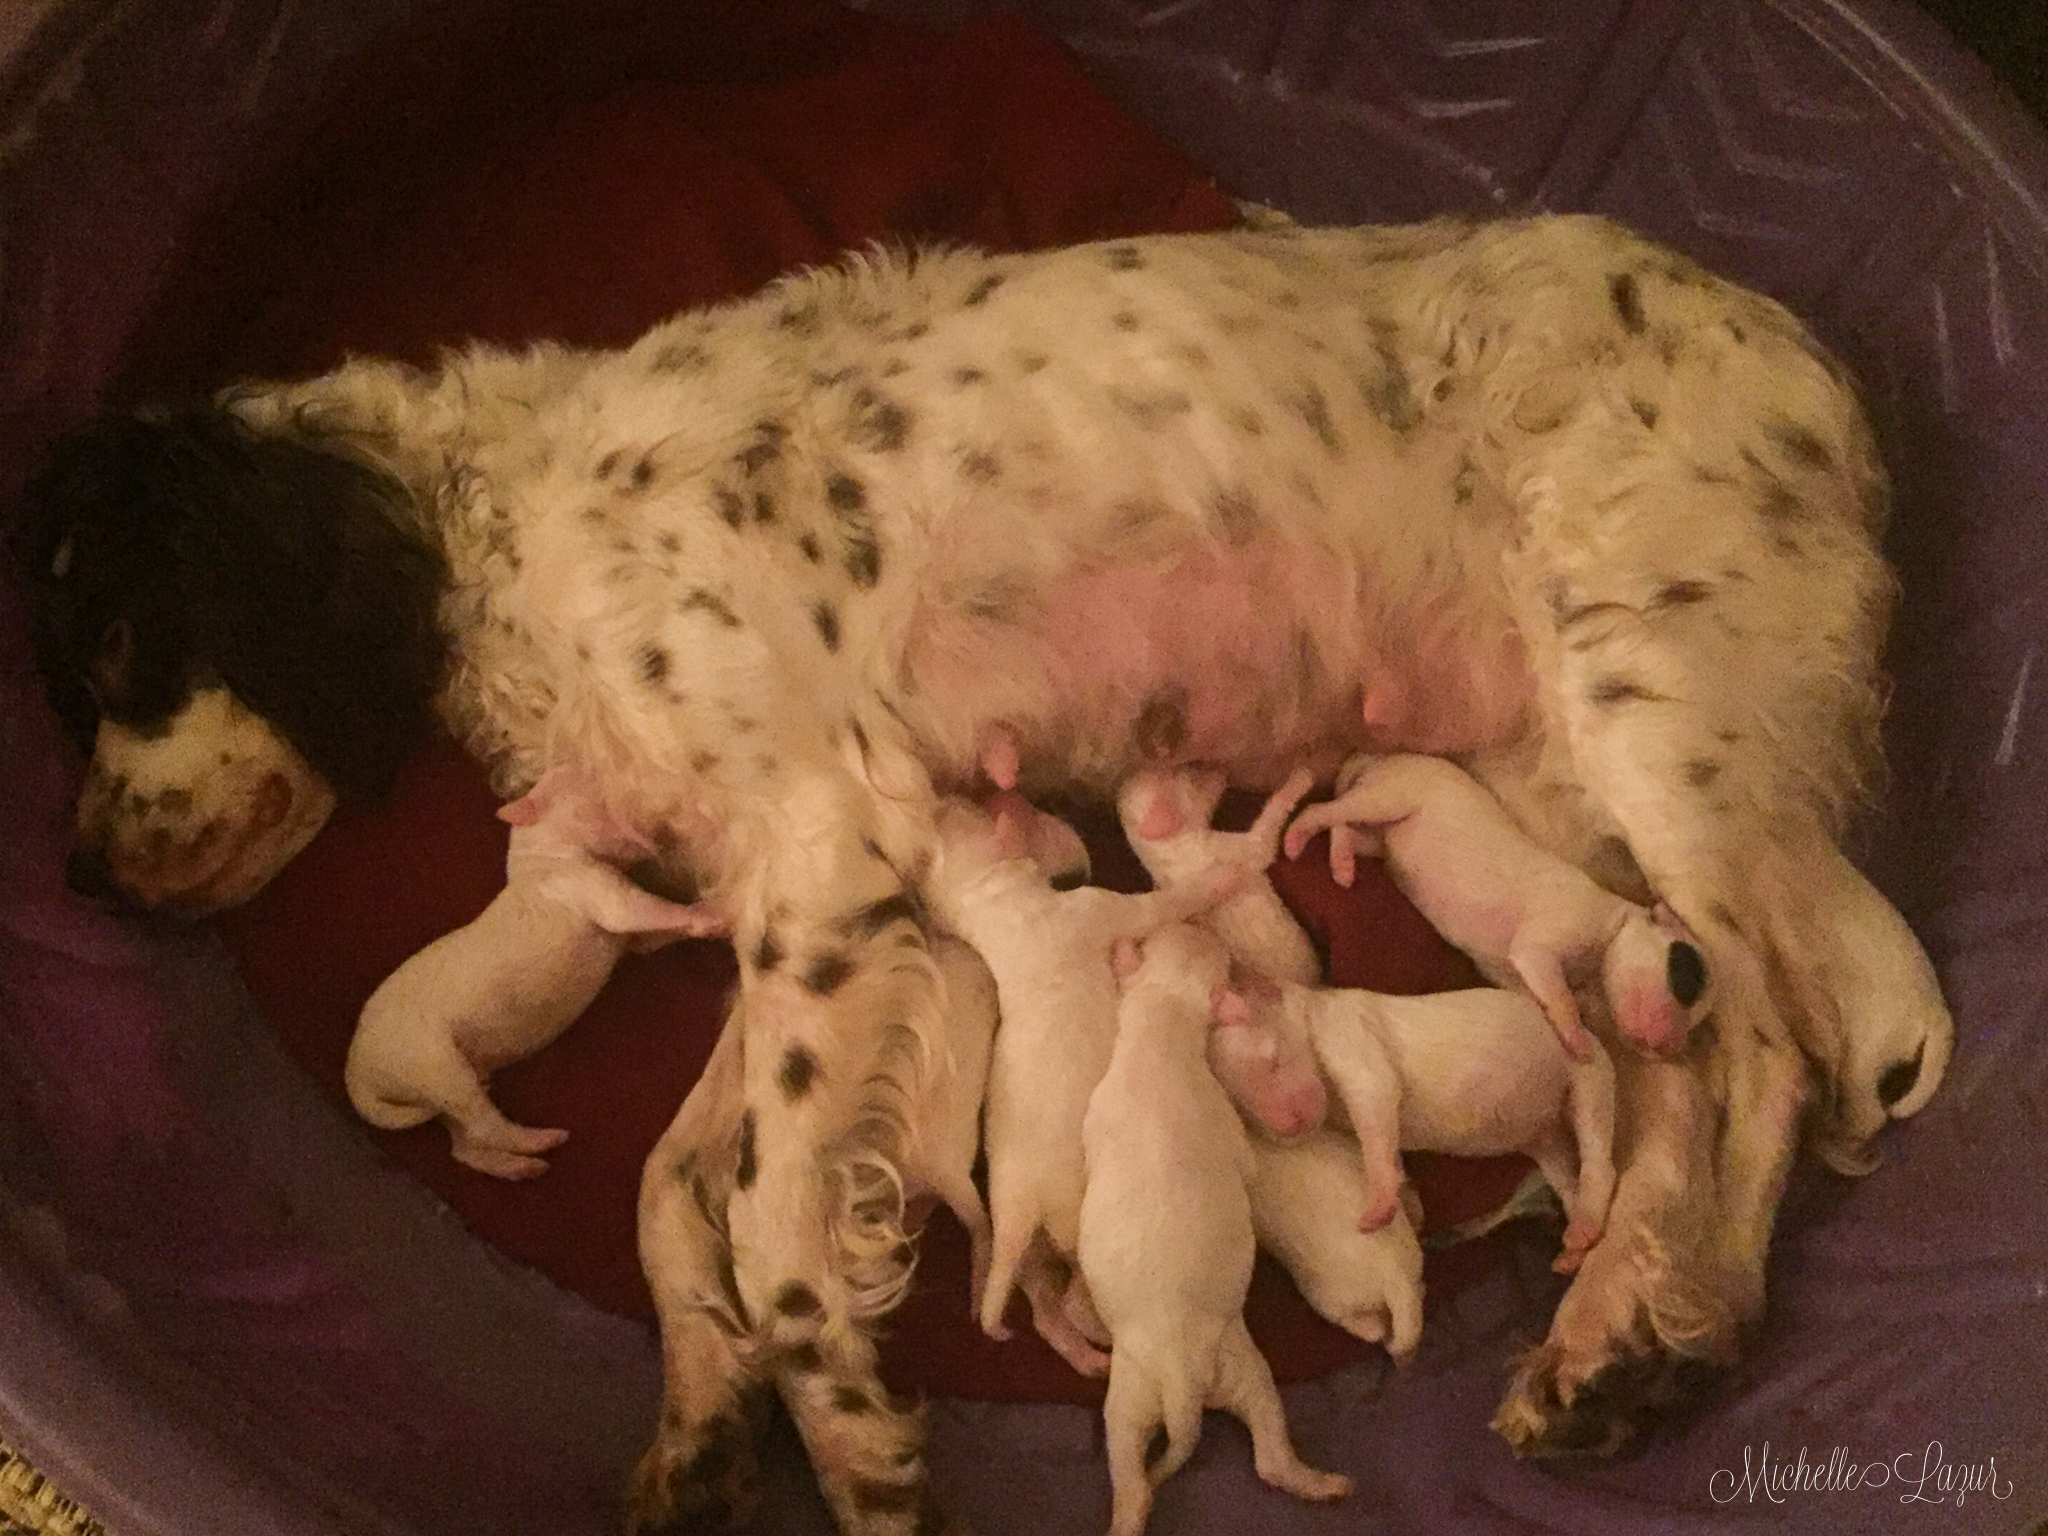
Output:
x,y
288,571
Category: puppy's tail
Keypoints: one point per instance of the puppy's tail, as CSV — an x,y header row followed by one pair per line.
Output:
x,y
1013,1222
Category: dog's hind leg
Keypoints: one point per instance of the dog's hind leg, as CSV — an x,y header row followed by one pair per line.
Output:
x,y
701,1463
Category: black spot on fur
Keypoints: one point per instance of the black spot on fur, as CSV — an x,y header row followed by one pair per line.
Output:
x,y
1610,688
1646,413
863,557
1237,514
844,493
860,740
1800,445
826,617
879,423
1030,362
1898,1079
767,953
745,1168
1779,505
981,466
641,475
764,509
681,357
1685,970
1162,725
1682,593
847,1399
669,541
698,600
796,1299
1741,336
764,450
1628,302
877,915
965,377
798,1067
1153,408
800,319
1124,320
1464,480
880,1498
607,464
978,294
703,762
1157,1444
1702,771
1124,258
828,973
654,665
1314,410
732,511
1387,390
1248,421
807,545
803,1359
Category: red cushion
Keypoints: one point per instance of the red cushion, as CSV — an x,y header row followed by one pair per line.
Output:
x,y
582,195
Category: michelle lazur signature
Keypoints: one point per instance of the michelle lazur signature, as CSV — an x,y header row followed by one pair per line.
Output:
x,y
1925,1476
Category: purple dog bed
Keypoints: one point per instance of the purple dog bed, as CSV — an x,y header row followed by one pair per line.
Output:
x,y
222,1312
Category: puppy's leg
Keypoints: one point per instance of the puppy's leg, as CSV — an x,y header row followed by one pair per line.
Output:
x,y
1592,1120
1244,1386
702,1461
1040,1281
1130,1421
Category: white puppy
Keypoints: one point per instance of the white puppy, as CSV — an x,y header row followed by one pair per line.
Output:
x,y
1472,1073
1166,1239
1304,1200
1525,916
1049,953
504,986
948,1123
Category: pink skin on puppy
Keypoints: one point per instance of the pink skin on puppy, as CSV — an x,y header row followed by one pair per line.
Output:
x,y
1473,1074
1049,951
504,986
1526,917
1271,1076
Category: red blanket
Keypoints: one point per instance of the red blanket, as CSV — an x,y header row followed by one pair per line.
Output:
x,y
578,176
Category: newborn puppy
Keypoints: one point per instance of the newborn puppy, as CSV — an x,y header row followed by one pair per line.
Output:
x,y
1472,1073
947,1125
1524,916
1049,953
1166,815
1367,1283
500,989
1166,1239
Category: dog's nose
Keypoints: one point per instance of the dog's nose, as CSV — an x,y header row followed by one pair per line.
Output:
x,y
1686,973
87,872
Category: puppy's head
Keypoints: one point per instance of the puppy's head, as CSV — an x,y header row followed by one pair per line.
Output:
x,y
1161,803
1656,979
236,627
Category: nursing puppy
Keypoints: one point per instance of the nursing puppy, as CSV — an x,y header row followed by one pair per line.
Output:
x,y
501,988
1049,951
1525,916
1473,1073
1166,1238
1304,1200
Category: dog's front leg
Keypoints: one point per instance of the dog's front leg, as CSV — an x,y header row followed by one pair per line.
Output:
x,y
841,1001
702,1460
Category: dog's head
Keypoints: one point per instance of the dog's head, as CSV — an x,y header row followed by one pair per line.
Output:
x,y
1656,979
236,627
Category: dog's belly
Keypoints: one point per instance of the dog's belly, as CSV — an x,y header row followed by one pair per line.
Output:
x,y
1257,660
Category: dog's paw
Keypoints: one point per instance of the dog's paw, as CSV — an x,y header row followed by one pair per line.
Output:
x,y
1559,1406
700,1478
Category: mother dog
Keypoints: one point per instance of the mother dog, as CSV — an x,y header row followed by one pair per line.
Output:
x,y
1538,495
